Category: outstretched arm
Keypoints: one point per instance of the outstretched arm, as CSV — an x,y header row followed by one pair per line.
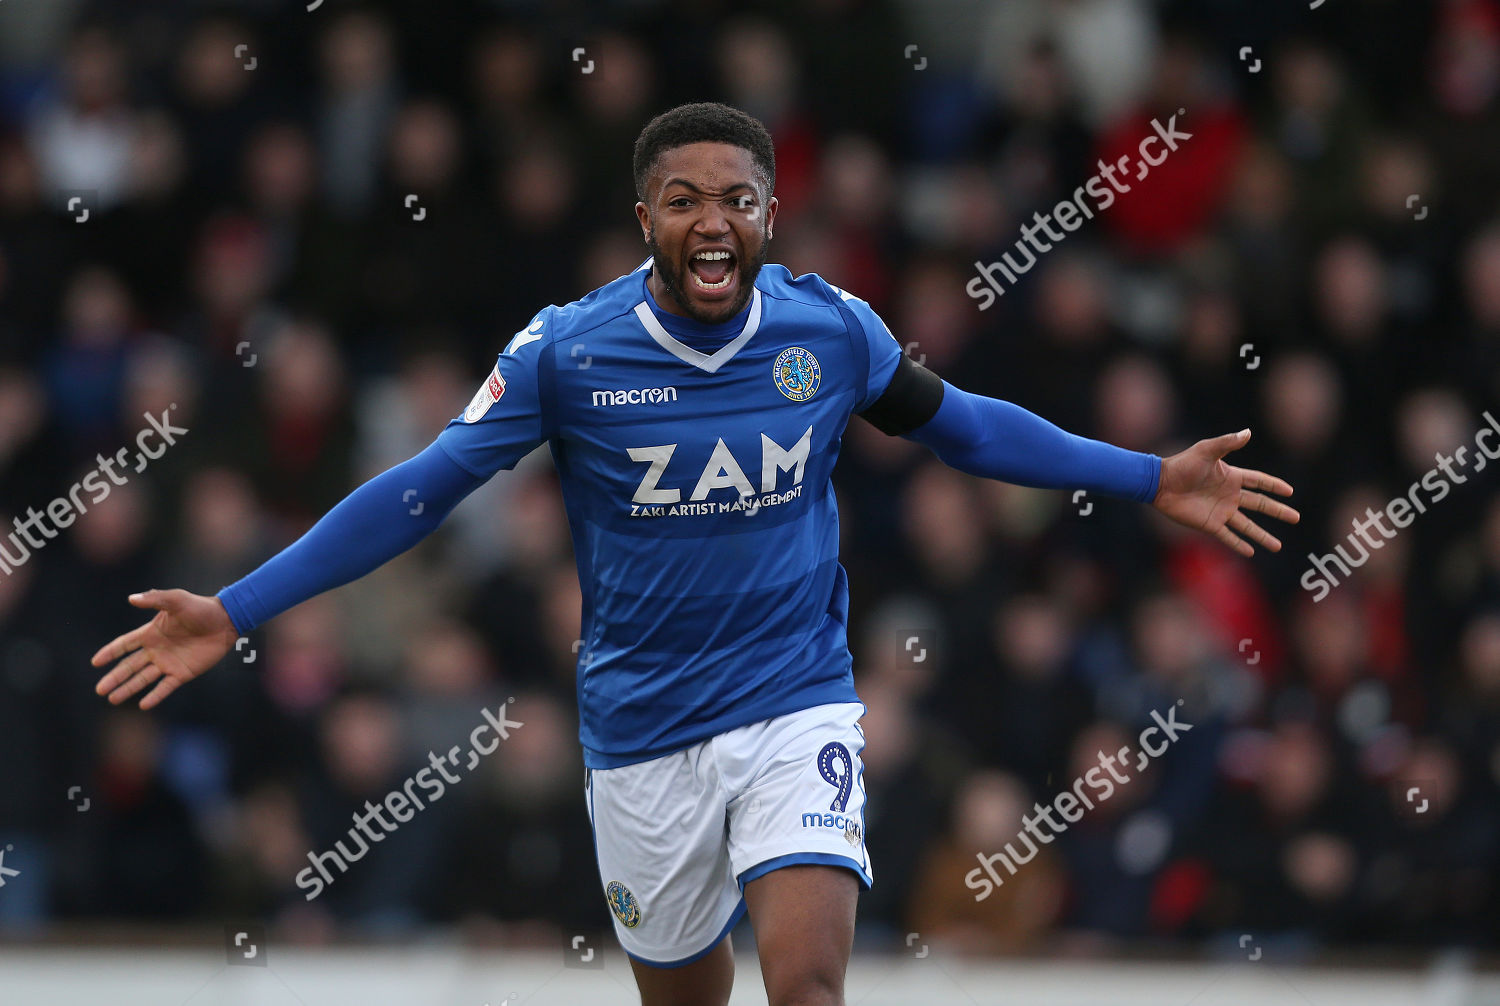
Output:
x,y
371,526
374,524
377,522
999,440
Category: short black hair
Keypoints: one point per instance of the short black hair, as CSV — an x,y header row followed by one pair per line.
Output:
x,y
703,122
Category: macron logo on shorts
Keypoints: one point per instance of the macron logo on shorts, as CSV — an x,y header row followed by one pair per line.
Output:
x,y
848,825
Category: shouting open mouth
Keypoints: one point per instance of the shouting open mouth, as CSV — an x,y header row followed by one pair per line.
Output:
x,y
713,271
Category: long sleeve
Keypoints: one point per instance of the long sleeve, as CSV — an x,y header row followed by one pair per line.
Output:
x,y
372,525
998,440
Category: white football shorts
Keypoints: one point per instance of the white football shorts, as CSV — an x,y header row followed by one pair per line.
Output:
x,y
678,837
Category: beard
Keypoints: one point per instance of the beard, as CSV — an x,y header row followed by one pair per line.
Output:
x,y
676,279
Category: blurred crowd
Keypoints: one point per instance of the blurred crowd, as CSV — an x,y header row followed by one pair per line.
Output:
x,y
310,232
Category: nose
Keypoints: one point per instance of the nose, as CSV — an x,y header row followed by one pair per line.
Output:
x,y
712,221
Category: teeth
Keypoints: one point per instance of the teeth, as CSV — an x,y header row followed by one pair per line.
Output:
x,y
712,256
721,284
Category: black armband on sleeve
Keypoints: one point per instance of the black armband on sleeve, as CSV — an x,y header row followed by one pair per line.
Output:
x,y
912,398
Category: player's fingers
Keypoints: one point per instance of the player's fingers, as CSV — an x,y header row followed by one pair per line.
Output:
x,y
1253,531
1274,509
120,645
1220,446
140,680
1233,540
122,672
1252,479
166,686
160,600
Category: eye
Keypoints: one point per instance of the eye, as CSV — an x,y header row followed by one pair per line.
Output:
x,y
742,202
680,201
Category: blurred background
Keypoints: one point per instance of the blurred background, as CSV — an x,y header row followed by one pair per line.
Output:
x,y
1320,261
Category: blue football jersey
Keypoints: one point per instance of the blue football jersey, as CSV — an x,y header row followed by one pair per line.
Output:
x,y
695,464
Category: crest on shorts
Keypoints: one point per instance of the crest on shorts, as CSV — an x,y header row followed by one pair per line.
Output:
x,y
836,766
797,374
488,394
623,904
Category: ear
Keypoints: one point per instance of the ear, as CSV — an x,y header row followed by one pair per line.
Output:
x,y
644,216
771,205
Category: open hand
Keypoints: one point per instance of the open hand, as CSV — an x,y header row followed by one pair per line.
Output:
x,y
189,634
1198,490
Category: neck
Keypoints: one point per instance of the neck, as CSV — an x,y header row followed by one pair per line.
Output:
x,y
662,295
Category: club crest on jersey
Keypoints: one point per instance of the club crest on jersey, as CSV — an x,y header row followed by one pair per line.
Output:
x,y
797,374
488,394
623,904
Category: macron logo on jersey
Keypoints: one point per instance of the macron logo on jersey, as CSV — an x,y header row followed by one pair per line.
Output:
x,y
531,333
636,396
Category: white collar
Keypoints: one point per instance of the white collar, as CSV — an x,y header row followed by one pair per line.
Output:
x,y
688,354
